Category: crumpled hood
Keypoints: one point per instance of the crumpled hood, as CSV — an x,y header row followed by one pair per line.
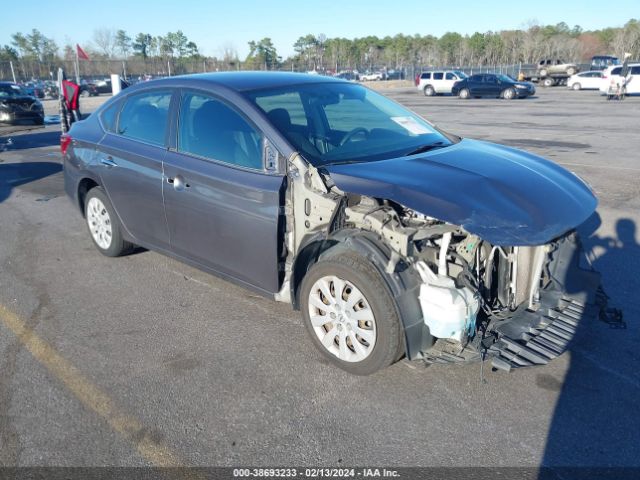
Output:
x,y
503,195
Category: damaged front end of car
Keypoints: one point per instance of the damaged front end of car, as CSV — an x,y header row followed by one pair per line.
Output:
x,y
469,285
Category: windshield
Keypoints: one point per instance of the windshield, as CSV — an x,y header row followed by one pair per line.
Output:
x,y
461,75
344,123
10,91
505,78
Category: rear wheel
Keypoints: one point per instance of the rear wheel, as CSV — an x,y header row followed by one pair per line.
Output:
x,y
576,86
103,224
548,82
543,72
350,314
464,94
429,91
85,93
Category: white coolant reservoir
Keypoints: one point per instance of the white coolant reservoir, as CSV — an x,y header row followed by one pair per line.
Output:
x,y
448,311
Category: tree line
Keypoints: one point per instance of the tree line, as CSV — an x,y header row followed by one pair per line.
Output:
x,y
35,53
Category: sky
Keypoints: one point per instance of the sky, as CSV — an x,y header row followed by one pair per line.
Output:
x,y
215,24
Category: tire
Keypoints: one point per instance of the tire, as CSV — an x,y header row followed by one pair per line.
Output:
x,y
576,86
374,313
509,94
464,94
571,71
104,227
543,72
85,93
429,91
548,82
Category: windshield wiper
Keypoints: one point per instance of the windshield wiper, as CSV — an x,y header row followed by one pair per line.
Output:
x,y
426,148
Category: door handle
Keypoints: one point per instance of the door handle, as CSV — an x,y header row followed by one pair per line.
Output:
x,y
108,162
178,182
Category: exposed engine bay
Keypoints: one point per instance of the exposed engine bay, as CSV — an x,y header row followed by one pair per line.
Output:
x,y
519,305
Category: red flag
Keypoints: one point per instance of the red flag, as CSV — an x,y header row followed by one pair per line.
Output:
x,y
81,53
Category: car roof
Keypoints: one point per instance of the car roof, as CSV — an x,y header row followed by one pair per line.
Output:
x,y
244,81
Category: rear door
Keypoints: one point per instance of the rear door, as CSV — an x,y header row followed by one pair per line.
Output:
x,y
130,165
221,203
437,79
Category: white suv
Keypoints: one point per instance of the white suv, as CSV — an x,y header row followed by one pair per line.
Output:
x,y
438,81
611,78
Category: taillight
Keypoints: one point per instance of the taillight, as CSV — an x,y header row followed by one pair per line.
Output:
x,y
605,77
65,141
417,80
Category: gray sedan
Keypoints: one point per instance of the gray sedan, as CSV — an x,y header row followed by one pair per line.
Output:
x,y
392,237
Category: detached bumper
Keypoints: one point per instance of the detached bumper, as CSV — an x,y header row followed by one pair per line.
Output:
x,y
534,338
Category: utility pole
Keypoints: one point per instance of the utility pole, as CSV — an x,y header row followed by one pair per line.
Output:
x,y
13,72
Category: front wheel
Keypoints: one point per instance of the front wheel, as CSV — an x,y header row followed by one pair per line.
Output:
x,y
350,314
571,71
576,86
464,94
85,93
103,224
509,94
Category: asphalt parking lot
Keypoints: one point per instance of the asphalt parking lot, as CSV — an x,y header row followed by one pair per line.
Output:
x,y
143,360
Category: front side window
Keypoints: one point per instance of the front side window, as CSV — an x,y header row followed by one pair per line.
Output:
x,y
345,123
450,76
144,116
211,129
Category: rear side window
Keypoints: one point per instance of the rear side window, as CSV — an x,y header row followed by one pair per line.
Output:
x,y
144,117
210,128
437,76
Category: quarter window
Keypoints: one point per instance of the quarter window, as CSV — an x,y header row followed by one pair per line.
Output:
x,y
144,117
211,129
110,116
426,76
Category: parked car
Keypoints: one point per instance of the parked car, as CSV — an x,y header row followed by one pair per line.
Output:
x,y
438,82
600,62
89,90
611,77
33,90
17,107
348,75
590,80
391,236
549,67
372,76
492,85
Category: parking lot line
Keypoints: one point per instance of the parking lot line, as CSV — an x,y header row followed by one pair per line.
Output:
x,y
89,395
